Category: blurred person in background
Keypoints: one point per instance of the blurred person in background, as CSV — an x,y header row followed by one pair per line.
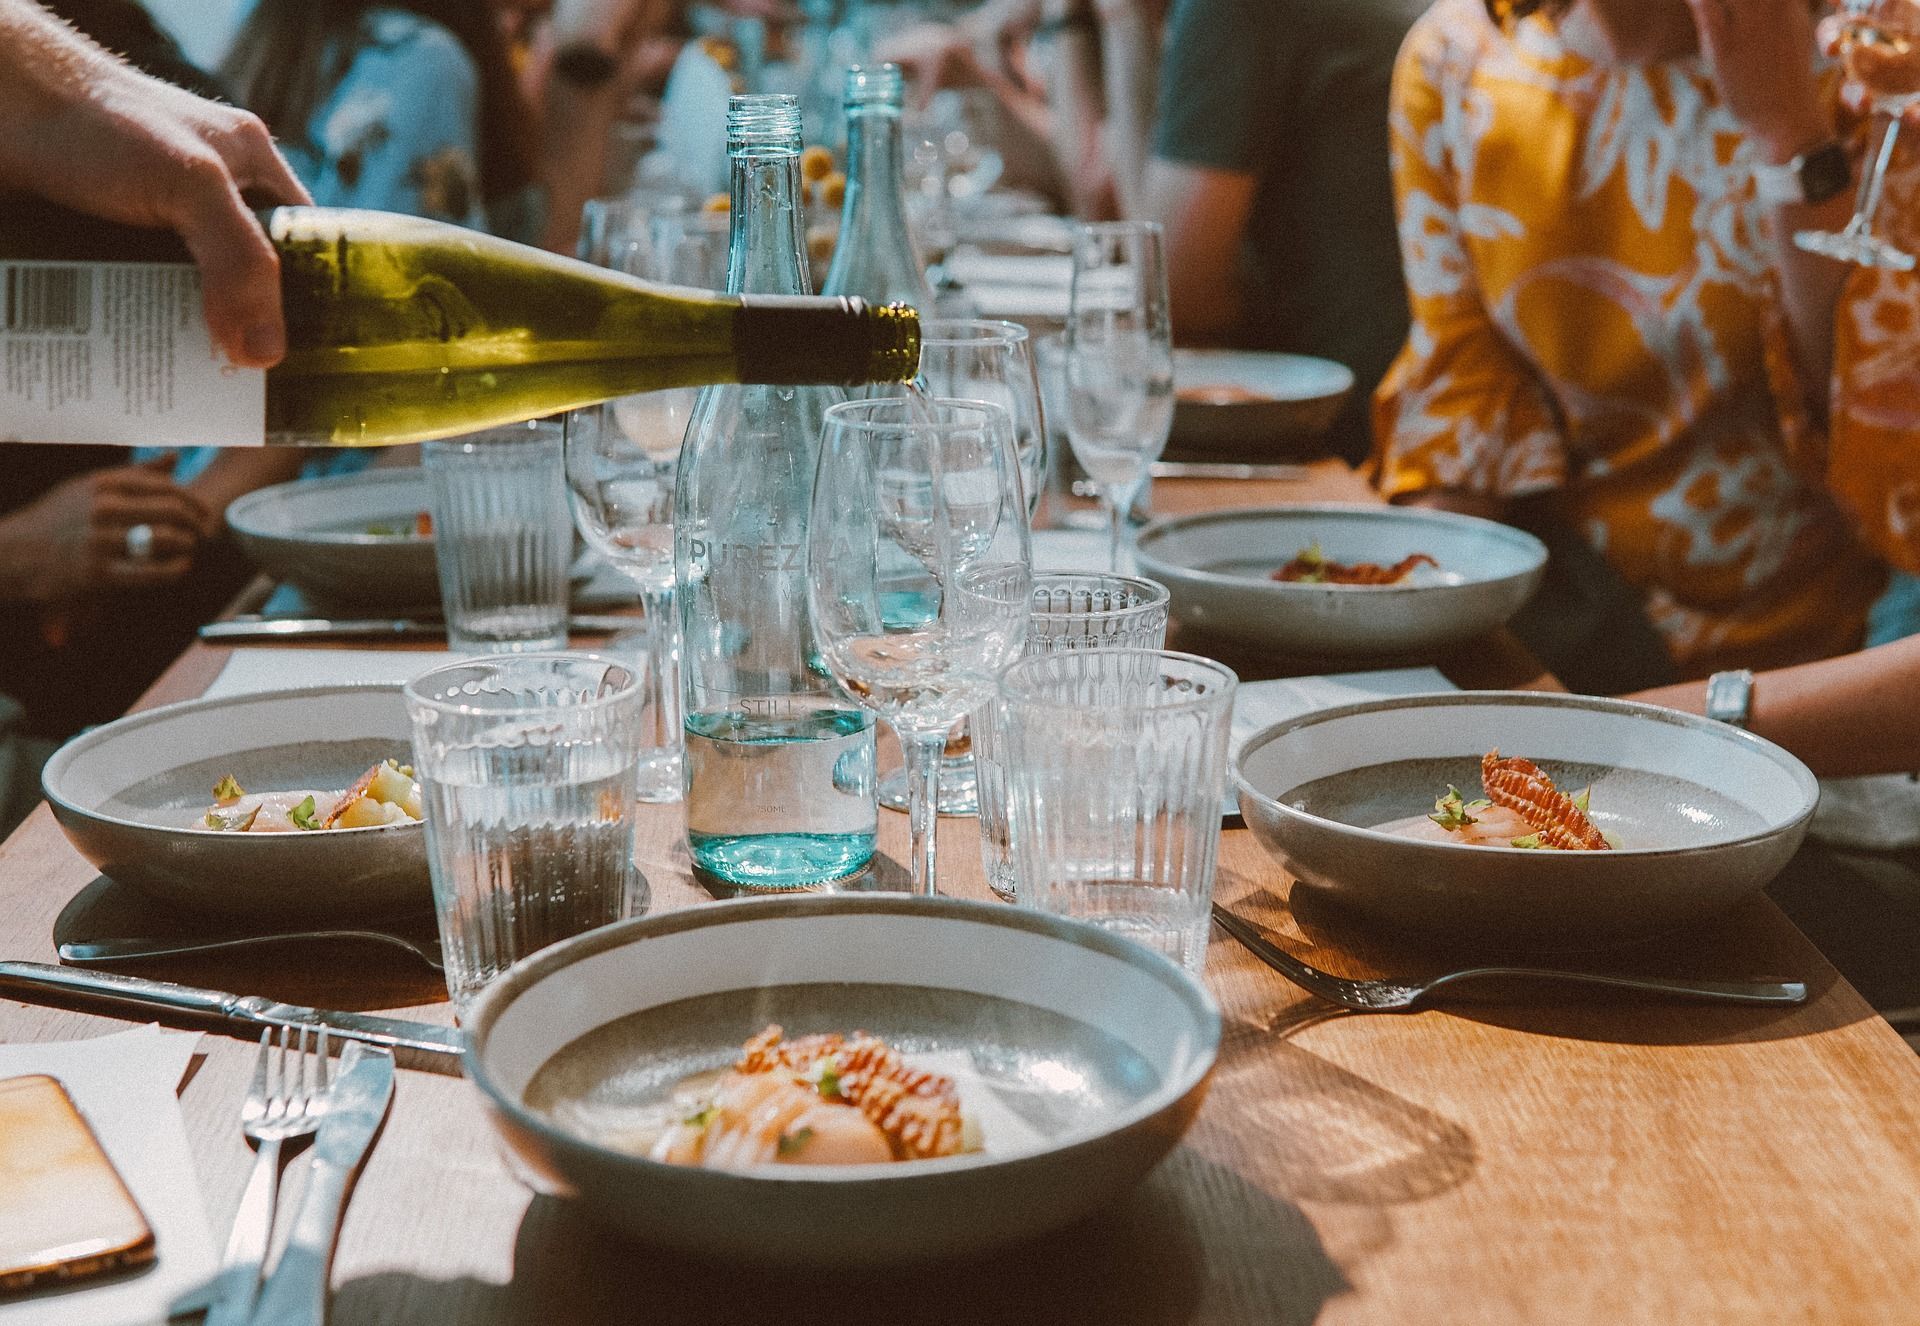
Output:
x,y
1615,336
1270,175
89,600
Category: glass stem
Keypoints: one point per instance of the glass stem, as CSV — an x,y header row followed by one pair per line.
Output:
x,y
922,751
1875,183
663,667
1116,501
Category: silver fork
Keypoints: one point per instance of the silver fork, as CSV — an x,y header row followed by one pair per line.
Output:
x,y
284,1103
1394,996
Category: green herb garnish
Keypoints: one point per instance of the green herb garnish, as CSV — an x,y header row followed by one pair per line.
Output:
x,y
1584,799
302,815
228,790
700,1118
232,823
826,1077
1313,556
1453,812
1532,840
794,1140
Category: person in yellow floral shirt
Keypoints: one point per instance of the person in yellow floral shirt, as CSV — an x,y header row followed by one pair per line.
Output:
x,y
1610,323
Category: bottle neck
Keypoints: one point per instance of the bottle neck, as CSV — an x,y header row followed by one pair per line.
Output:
x,y
767,239
873,222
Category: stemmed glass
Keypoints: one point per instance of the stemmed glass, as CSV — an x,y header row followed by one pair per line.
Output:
x,y
623,460
1879,41
979,359
919,569
1119,363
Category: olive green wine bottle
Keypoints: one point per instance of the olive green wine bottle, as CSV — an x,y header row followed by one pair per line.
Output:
x,y
398,330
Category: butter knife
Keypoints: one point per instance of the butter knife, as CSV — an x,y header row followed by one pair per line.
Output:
x,y
245,628
399,1033
296,1293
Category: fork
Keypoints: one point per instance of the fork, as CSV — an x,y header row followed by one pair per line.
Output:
x,y
1387,995
284,1103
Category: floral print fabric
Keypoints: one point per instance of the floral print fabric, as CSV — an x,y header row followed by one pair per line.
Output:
x,y
1596,320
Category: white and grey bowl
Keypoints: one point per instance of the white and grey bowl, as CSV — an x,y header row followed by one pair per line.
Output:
x,y
1300,396
318,534
126,793
1102,1047
1220,567
1705,815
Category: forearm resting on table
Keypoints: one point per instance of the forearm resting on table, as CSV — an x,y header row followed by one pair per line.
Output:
x,y
1204,212
1856,714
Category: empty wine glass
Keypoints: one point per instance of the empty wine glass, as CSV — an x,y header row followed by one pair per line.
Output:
x,y
1119,362
919,569
979,359
623,461
1879,42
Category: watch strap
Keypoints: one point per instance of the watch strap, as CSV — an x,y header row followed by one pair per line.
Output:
x,y
1730,697
1817,174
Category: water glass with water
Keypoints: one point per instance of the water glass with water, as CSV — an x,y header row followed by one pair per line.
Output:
x,y
503,536
1071,610
527,766
1116,762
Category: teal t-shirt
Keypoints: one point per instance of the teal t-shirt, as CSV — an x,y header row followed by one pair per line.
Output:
x,y
1294,92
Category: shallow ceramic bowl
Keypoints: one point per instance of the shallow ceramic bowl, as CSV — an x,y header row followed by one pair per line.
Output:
x,y
1298,397
1220,567
1101,1047
126,793
318,534
1704,814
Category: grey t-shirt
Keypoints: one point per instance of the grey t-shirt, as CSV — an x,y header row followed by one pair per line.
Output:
x,y
1294,92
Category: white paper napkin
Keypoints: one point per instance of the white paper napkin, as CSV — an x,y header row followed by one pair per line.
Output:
x,y
1075,550
1260,704
125,1086
256,669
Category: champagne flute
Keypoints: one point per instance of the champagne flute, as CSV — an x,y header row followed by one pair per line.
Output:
x,y
1880,46
1119,363
919,570
979,359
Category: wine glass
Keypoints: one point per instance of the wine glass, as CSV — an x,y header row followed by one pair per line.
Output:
x,y
919,570
1119,362
1879,43
979,359
623,460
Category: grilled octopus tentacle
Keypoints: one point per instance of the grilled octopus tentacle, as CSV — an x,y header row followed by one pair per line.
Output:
x,y
1523,786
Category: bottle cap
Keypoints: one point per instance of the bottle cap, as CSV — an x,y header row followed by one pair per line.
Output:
x,y
763,122
875,87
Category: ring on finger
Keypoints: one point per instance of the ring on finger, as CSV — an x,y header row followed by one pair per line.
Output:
x,y
140,543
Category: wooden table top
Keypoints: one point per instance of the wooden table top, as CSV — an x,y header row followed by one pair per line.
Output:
x,y
1582,1162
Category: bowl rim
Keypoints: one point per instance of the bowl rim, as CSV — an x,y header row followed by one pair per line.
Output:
x,y
241,509
74,748
529,971
1203,353
1803,777
1159,528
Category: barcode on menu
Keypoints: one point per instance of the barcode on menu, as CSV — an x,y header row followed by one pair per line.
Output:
x,y
50,300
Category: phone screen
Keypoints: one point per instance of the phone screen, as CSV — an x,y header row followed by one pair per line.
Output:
x,y
64,1212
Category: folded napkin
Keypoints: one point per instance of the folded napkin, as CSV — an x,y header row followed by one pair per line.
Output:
x,y
255,670
1075,550
1877,814
125,1086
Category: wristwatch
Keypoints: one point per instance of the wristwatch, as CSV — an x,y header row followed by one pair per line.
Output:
x,y
1817,174
1730,697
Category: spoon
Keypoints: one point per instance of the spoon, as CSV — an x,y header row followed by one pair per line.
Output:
x,y
132,950
1394,996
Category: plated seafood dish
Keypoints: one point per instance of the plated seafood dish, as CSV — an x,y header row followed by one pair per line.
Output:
x,y
385,794
1311,566
1522,808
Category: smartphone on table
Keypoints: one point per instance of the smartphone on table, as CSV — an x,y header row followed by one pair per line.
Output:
x,y
65,1213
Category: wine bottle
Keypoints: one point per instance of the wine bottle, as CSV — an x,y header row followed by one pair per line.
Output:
x,y
874,257
779,764
398,329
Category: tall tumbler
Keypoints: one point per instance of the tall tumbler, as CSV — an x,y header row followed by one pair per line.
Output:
x,y
527,765
1116,760
503,537
1071,611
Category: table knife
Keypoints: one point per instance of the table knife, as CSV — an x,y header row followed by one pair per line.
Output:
x,y
249,627
296,1293
399,1033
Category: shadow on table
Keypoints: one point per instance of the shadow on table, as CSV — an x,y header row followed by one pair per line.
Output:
x,y
1750,942
1145,1261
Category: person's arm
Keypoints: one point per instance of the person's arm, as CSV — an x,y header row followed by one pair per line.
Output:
x,y
233,474
1761,54
1844,716
1204,212
82,128
1460,421
72,540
